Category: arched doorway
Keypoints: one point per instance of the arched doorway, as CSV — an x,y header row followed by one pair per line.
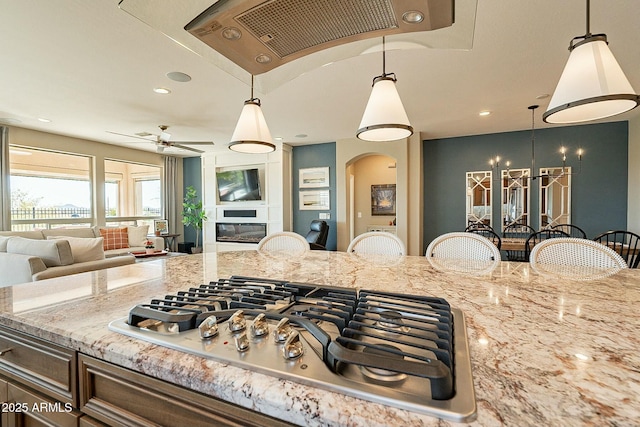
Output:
x,y
372,194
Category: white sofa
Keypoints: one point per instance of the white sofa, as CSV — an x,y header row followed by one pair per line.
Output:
x,y
42,254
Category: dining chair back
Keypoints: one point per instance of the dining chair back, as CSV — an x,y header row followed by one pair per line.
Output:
x,y
520,232
377,242
538,237
575,258
463,245
488,233
478,225
625,243
571,230
285,242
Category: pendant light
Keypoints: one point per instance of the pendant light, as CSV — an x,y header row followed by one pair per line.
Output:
x,y
592,85
252,135
384,117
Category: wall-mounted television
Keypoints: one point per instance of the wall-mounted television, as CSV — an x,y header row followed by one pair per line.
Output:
x,y
239,185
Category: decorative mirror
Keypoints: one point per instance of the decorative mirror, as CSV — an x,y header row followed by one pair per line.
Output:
x,y
515,197
555,196
479,197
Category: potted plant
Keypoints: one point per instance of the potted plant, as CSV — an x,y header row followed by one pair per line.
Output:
x,y
193,215
149,247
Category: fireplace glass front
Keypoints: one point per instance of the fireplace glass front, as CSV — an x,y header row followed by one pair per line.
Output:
x,y
240,233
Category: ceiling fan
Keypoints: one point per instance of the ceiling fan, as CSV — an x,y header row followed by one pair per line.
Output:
x,y
163,140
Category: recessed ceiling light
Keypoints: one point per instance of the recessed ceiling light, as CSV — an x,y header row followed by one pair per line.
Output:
x,y
278,138
161,90
301,135
43,120
177,76
484,113
543,96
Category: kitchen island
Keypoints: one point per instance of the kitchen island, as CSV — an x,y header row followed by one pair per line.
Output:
x,y
544,351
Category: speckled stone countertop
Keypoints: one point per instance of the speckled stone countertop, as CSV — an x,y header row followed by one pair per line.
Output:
x,y
544,351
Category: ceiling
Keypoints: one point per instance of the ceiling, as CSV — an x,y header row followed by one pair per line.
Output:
x,y
90,68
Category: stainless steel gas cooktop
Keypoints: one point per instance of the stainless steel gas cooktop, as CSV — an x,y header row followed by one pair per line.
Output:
x,y
405,351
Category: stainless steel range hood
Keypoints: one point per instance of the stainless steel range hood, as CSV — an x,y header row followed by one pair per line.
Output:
x,y
261,35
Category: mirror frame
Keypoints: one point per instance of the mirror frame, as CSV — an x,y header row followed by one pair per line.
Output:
x,y
476,181
554,175
515,179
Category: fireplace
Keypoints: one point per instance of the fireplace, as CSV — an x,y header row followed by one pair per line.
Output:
x,y
240,233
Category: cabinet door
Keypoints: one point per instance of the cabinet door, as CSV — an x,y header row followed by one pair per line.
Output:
x,y
34,409
40,365
121,397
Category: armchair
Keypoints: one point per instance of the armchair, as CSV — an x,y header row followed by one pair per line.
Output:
x,y
317,235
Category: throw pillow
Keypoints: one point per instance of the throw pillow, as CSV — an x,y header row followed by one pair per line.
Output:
x,y
115,238
3,243
137,235
51,252
83,249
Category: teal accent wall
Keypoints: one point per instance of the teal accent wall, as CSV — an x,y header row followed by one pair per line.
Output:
x,y
599,192
192,176
312,156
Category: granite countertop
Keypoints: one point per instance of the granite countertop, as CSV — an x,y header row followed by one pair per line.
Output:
x,y
544,351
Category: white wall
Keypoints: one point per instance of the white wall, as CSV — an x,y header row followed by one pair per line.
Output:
x,y
274,210
409,227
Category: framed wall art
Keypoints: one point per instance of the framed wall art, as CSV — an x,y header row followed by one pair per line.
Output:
x,y
317,200
160,226
314,177
383,199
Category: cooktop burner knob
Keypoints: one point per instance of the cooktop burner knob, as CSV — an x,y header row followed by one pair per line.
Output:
x,y
237,322
242,342
259,327
293,347
208,328
282,331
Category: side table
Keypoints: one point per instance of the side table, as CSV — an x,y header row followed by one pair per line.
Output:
x,y
169,241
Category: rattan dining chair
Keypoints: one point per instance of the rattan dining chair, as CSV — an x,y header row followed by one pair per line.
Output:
x,y
571,230
625,243
284,242
575,258
463,245
538,237
377,242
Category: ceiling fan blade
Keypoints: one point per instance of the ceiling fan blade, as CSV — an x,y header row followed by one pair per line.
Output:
x,y
194,142
130,136
184,147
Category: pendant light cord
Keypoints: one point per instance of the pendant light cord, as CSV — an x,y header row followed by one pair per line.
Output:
x,y
588,18
533,140
384,62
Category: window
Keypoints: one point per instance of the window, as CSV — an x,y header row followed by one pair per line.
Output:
x,y
132,191
49,189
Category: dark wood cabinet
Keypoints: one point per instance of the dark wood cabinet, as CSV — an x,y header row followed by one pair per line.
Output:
x,y
121,397
49,385
40,365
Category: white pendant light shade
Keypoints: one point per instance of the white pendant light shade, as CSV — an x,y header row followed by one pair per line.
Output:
x,y
384,118
252,134
592,86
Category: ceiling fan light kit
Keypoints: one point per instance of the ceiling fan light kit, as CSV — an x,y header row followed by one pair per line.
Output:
x,y
592,85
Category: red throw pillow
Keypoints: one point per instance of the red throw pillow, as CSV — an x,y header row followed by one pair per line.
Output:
x,y
115,238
